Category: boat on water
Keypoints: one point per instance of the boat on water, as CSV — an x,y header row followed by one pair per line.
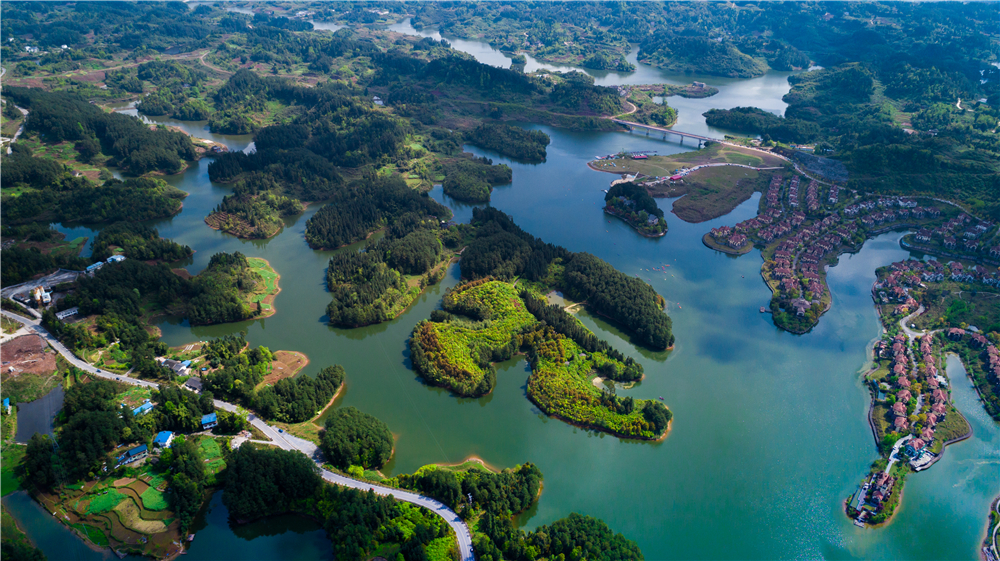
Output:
x,y
762,309
660,398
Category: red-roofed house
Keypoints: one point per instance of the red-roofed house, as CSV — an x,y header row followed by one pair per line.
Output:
x,y
939,396
978,341
903,382
955,334
931,419
898,408
939,410
927,434
900,423
903,395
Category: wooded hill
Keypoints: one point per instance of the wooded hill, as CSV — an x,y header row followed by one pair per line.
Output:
x,y
472,179
502,249
509,140
371,286
132,145
49,192
366,205
254,211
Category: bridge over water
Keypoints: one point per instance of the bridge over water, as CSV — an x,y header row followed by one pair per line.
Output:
x,y
660,130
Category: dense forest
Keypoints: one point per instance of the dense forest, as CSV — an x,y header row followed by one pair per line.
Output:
x,y
266,481
508,140
137,242
502,249
353,438
131,144
762,123
370,286
471,180
365,206
50,192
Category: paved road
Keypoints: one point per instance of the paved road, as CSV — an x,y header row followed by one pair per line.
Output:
x,y
283,440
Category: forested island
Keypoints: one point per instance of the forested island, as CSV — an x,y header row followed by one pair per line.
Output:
x,y
487,321
509,140
632,203
253,211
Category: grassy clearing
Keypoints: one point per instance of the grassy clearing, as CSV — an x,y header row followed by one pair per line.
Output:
x,y
153,500
8,325
950,304
105,502
714,192
11,457
265,294
92,533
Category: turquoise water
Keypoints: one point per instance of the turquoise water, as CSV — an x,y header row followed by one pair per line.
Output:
x,y
770,432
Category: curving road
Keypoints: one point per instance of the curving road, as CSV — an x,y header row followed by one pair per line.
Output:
x,y
281,439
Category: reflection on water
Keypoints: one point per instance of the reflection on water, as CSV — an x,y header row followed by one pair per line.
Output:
x,y
38,416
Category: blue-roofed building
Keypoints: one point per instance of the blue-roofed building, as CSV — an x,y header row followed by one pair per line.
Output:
x,y
163,439
142,409
93,268
6,406
133,455
115,258
209,421
186,363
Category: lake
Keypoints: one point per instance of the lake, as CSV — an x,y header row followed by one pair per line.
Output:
x,y
770,432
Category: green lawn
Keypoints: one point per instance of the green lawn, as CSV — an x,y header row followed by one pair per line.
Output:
x,y
105,502
11,457
153,500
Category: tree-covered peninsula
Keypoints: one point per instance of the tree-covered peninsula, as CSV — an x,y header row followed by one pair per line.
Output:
x,y
501,249
509,140
471,180
488,321
379,283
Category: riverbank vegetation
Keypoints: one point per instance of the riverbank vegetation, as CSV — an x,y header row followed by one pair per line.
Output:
x,y
487,321
120,299
237,372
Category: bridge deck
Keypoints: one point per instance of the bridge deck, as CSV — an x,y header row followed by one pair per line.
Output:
x,y
665,131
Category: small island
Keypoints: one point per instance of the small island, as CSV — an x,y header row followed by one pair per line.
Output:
x,y
632,203
457,349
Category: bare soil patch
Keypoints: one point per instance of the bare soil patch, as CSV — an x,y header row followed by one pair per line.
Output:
x,y
286,364
26,355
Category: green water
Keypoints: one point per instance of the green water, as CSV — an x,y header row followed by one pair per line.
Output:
x,y
770,432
